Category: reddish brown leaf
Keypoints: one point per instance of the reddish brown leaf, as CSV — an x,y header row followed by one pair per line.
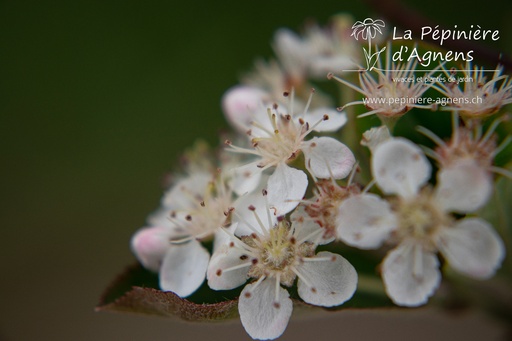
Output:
x,y
155,302
129,293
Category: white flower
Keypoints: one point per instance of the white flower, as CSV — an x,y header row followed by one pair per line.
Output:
x,y
331,48
384,96
241,104
477,98
418,220
318,51
470,148
246,109
150,244
322,209
322,49
278,140
293,54
199,205
181,267
193,210
274,81
274,255
301,57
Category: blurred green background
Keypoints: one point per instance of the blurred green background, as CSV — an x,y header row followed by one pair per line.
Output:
x,y
97,101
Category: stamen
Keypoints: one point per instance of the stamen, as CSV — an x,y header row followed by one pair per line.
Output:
x,y
251,227
236,149
428,133
302,278
417,270
502,146
263,227
278,282
501,171
309,236
259,126
236,267
369,113
250,250
181,240
352,174
430,153
319,259
257,283
306,108
269,217
492,128
272,119
331,174
340,109
350,85
370,185
292,101
310,129
455,127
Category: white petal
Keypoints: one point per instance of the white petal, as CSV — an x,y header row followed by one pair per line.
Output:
x,y
224,258
288,42
245,179
161,217
222,238
150,245
245,217
327,283
292,52
262,316
305,228
463,187
184,268
365,221
326,157
187,192
400,167
411,275
240,104
375,136
321,65
472,247
335,121
286,187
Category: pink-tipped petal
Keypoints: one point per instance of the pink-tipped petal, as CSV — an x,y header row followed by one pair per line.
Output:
x,y
240,105
150,245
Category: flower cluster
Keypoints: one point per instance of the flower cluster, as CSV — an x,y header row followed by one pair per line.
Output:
x,y
253,214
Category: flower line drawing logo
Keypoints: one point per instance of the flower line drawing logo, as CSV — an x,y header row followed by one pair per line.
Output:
x,y
368,29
